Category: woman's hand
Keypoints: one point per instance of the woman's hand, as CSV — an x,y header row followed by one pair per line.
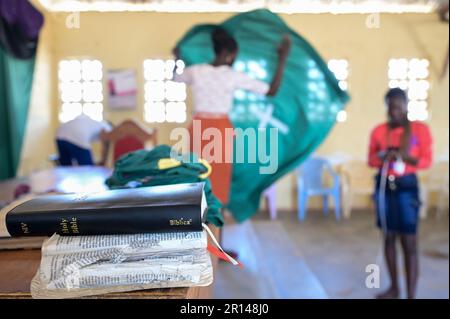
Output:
x,y
408,158
285,47
283,52
390,155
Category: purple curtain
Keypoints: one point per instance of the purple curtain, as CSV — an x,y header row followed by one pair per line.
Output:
x,y
20,24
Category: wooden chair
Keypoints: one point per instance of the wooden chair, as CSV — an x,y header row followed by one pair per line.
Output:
x,y
129,136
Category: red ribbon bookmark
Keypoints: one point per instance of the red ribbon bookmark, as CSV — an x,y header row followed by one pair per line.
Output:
x,y
216,252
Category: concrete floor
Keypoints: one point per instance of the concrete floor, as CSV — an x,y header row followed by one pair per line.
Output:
x,y
323,258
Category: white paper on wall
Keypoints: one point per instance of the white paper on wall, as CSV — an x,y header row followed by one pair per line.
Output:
x,y
122,87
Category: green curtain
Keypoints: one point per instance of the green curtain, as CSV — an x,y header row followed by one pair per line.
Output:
x,y
16,79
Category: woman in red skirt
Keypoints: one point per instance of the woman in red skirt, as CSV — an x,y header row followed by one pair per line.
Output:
x,y
213,87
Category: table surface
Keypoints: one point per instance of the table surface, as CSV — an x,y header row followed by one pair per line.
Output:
x,y
17,267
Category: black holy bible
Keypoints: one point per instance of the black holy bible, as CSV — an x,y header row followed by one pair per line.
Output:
x,y
158,209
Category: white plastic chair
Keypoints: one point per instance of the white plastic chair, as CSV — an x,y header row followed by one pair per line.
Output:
x,y
310,182
357,180
270,194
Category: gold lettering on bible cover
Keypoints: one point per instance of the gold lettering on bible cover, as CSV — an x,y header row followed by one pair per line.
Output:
x,y
24,228
69,226
64,226
180,222
74,226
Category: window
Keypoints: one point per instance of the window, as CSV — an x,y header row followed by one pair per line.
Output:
x,y
340,69
81,89
412,75
165,100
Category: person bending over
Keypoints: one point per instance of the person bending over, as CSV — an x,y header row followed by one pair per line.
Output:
x,y
74,141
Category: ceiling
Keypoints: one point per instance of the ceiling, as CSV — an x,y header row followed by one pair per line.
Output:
x,y
281,6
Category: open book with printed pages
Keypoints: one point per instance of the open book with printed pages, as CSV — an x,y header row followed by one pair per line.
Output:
x,y
157,209
79,266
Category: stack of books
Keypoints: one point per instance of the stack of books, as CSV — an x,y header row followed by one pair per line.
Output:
x,y
115,241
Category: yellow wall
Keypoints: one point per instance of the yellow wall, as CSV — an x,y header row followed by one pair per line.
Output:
x,y
124,40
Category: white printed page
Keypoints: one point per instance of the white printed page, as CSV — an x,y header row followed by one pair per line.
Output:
x,y
79,266
151,242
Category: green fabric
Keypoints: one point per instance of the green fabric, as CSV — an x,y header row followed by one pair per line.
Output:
x,y
306,104
140,169
16,79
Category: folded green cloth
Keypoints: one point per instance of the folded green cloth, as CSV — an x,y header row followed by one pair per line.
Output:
x,y
143,168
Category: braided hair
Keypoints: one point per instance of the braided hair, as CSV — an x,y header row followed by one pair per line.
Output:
x,y
399,93
222,41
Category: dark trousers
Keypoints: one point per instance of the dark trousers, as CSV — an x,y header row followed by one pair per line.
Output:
x,y
70,154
